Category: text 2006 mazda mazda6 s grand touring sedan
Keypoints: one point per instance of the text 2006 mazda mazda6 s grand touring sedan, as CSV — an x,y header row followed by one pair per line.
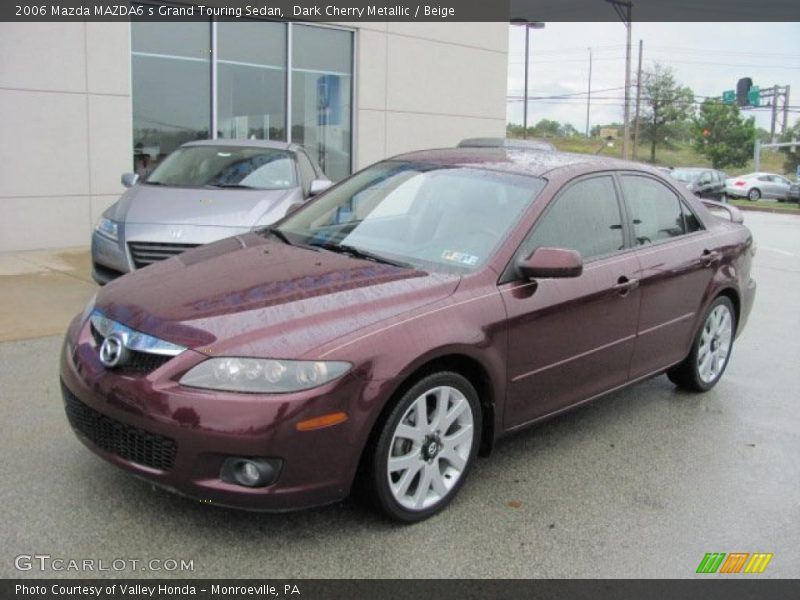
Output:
x,y
401,322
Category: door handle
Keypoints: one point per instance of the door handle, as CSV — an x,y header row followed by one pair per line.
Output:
x,y
710,257
625,285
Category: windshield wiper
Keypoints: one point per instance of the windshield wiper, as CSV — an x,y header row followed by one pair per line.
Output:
x,y
240,186
364,254
284,238
278,234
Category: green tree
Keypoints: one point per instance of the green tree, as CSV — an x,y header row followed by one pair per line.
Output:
x,y
792,159
547,128
721,134
667,106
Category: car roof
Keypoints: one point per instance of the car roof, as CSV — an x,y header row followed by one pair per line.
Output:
x,y
517,161
244,144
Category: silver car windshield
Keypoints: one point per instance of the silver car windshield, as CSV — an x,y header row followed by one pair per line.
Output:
x,y
226,166
427,216
685,175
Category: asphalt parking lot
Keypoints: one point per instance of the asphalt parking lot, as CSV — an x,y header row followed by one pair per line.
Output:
x,y
640,484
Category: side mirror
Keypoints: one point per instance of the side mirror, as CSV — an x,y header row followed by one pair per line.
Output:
x,y
551,263
129,179
319,185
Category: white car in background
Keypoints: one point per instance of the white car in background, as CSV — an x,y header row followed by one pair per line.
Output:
x,y
755,186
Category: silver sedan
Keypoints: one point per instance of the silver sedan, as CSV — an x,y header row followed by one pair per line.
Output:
x,y
755,186
202,192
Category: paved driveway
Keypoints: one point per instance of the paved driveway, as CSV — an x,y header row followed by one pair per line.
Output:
x,y
640,484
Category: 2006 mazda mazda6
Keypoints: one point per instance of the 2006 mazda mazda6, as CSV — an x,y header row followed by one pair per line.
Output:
x,y
402,321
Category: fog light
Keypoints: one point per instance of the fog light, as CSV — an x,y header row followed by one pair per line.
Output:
x,y
250,472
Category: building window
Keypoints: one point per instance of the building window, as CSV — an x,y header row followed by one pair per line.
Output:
x,y
251,80
322,81
171,87
177,69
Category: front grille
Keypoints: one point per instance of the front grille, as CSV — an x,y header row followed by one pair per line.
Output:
x,y
145,253
139,362
128,442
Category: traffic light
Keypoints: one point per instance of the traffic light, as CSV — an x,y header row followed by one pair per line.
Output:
x,y
742,90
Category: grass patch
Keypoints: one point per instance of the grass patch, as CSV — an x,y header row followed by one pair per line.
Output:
x,y
682,155
768,205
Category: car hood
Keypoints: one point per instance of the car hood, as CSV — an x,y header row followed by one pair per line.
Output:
x,y
195,206
248,296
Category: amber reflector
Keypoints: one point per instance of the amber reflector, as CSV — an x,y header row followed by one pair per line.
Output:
x,y
323,421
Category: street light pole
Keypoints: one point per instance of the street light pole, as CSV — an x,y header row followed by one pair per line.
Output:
x,y
528,26
589,94
623,9
525,106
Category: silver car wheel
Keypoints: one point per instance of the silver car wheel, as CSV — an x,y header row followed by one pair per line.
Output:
x,y
715,344
430,448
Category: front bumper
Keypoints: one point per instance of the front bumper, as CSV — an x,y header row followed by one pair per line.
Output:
x,y
154,417
109,259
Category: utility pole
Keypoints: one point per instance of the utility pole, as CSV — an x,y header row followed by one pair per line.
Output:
x,y
638,104
773,97
589,94
772,137
623,9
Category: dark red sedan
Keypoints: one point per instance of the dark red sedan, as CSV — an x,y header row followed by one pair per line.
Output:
x,y
402,322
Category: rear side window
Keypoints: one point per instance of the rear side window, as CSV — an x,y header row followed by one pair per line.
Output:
x,y
655,210
585,217
690,221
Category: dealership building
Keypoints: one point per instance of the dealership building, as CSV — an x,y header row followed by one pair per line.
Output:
x,y
84,102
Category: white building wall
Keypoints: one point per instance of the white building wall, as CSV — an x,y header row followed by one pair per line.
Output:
x,y
66,109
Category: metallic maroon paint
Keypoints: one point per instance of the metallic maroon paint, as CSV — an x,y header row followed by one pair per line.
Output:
x,y
538,347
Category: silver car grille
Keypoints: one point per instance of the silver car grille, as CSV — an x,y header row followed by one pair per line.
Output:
x,y
142,352
145,253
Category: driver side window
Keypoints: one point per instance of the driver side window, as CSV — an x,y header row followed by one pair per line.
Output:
x,y
584,217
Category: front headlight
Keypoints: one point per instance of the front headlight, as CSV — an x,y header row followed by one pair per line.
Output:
x,y
263,375
108,228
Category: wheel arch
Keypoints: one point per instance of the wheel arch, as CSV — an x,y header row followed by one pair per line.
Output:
x,y
733,295
465,365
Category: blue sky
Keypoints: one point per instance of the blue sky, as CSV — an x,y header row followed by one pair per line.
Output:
x,y
708,57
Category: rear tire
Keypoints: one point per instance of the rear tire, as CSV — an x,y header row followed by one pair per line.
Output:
x,y
754,195
711,349
425,448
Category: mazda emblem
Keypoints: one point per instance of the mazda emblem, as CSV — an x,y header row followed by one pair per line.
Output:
x,y
113,352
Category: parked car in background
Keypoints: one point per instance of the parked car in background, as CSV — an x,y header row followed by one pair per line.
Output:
x,y
794,192
702,182
202,192
755,186
402,321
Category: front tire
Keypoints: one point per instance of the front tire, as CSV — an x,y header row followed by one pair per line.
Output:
x,y
711,350
426,447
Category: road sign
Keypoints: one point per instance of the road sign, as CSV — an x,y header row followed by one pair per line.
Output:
x,y
729,96
754,96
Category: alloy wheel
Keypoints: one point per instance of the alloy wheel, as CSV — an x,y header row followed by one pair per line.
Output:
x,y
715,343
430,448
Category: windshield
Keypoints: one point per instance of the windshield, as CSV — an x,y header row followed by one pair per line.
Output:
x,y
226,166
428,216
685,175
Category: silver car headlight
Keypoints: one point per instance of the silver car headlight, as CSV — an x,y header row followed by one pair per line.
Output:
x,y
107,228
263,375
